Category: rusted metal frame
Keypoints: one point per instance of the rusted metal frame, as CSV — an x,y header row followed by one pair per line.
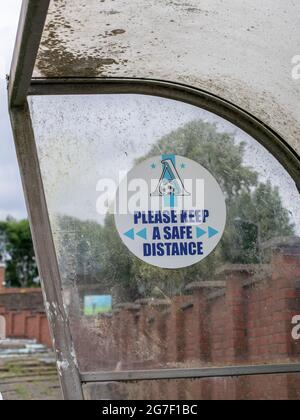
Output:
x,y
203,373
31,25
45,252
273,142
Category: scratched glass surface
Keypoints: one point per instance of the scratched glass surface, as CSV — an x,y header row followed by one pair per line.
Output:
x,y
235,307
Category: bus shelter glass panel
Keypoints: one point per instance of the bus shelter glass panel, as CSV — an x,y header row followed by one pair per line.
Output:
x,y
159,306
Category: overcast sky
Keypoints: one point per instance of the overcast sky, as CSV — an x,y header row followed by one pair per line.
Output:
x,y
11,195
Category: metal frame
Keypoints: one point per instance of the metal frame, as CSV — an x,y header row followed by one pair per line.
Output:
x,y
200,98
30,30
45,252
205,373
33,17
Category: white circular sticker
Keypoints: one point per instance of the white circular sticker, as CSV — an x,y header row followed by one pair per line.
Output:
x,y
170,212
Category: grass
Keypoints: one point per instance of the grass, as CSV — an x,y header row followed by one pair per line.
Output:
x,y
97,311
22,392
11,370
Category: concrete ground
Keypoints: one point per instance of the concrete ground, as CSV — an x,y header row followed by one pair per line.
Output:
x,y
27,372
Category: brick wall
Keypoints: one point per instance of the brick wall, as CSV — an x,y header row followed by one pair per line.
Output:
x,y
22,299
24,313
28,325
243,317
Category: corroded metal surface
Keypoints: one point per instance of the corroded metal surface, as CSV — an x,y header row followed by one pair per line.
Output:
x,y
241,51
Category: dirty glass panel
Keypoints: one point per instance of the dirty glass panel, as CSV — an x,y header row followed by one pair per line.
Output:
x,y
260,387
237,50
238,306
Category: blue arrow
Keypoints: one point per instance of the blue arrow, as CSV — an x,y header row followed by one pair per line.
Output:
x,y
130,234
200,232
142,234
212,232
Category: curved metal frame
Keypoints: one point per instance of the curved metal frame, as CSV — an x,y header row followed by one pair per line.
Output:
x,y
274,143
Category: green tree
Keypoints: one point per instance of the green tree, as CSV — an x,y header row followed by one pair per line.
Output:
x,y
255,214
218,152
255,210
16,250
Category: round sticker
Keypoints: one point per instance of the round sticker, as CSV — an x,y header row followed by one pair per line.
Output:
x,y
170,212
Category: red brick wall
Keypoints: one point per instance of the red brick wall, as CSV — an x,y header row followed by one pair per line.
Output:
x,y
23,310
27,325
247,322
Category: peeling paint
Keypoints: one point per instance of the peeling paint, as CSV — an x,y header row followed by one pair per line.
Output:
x,y
62,366
74,358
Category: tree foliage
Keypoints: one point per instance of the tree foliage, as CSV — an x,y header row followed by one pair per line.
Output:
x,y
92,253
16,250
255,214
